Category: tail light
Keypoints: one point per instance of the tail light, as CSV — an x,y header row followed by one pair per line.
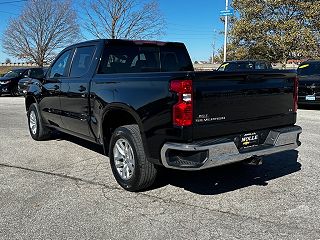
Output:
x,y
183,109
295,94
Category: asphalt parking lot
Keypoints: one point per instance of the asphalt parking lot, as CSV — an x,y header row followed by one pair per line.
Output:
x,y
64,189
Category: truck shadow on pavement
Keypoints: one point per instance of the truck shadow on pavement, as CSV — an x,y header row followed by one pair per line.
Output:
x,y
216,180
232,177
59,136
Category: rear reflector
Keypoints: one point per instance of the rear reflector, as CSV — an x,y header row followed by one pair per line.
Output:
x,y
183,109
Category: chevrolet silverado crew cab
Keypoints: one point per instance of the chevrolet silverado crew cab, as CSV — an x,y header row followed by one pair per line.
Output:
x,y
144,103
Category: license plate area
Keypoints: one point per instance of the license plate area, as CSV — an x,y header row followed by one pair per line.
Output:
x,y
249,140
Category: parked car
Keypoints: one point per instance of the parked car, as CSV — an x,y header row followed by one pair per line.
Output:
x,y
145,105
309,82
9,82
33,74
244,65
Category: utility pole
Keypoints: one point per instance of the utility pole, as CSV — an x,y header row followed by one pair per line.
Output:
x,y
213,51
225,33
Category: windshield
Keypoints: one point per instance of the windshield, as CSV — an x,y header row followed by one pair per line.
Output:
x,y
236,66
14,73
309,68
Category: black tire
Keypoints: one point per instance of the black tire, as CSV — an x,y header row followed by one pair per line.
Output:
x,y
15,91
144,173
40,132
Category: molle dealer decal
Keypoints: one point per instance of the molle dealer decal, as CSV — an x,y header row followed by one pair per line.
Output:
x,y
208,118
249,140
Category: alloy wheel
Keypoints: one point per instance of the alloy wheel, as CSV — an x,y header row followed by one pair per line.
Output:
x,y
123,158
33,122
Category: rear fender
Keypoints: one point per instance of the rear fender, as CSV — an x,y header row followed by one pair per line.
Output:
x,y
128,109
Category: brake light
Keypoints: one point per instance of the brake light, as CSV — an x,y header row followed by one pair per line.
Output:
x,y
295,94
183,109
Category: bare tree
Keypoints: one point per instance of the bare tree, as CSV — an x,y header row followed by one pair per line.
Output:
x,y
8,60
43,27
128,19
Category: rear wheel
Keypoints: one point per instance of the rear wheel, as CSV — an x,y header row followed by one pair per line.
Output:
x,y
36,128
129,164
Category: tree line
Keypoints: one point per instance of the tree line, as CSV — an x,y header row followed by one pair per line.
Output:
x,y
273,30
45,26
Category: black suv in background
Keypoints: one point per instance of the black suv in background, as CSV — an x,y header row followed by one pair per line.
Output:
x,y
16,81
9,82
244,65
33,74
309,82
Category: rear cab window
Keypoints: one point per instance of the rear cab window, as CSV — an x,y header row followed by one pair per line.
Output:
x,y
140,58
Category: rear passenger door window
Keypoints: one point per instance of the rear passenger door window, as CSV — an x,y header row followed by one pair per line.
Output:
x,y
116,59
82,60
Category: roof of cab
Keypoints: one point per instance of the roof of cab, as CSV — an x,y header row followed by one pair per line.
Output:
x,y
125,41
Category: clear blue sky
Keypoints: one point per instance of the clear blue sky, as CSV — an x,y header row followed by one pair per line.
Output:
x,y
196,23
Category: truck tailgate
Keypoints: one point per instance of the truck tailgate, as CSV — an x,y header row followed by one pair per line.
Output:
x,y
231,103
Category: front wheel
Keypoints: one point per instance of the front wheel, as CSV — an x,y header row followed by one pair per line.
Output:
x,y
36,128
15,91
129,163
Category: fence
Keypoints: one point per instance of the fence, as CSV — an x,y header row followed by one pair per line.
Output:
x,y
18,64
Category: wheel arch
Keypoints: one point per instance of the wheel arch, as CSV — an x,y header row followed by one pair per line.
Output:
x,y
115,116
29,100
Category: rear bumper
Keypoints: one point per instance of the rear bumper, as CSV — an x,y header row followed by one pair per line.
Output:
x,y
221,151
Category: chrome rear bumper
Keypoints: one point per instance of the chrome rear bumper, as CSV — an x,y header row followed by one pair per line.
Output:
x,y
222,151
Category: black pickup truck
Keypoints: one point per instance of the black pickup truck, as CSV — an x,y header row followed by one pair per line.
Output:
x,y
309,83
143,102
